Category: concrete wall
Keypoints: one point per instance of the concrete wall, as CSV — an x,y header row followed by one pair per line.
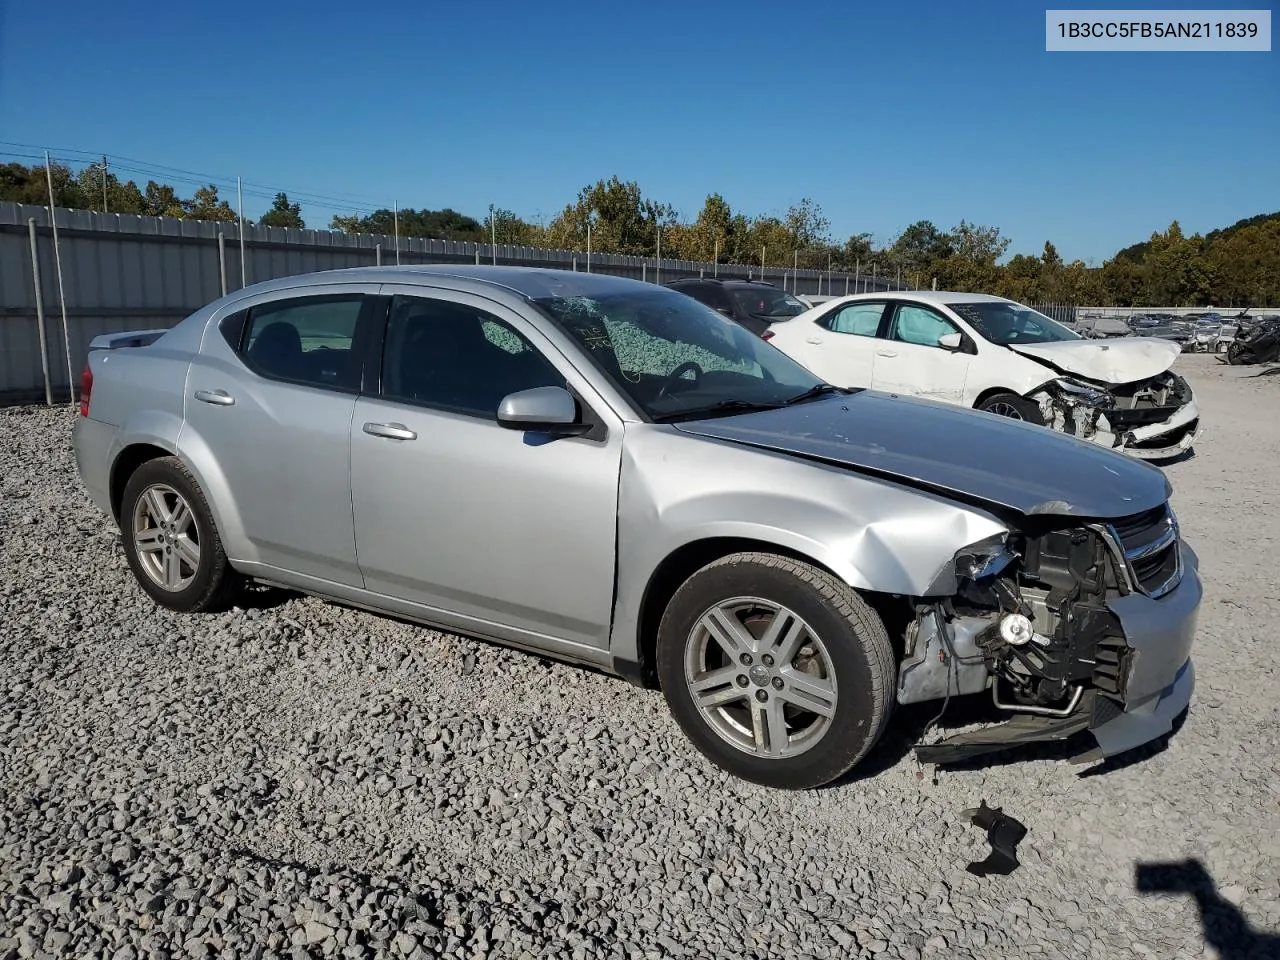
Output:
x,y
125,272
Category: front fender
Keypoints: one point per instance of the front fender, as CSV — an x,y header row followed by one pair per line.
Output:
x,y
676,490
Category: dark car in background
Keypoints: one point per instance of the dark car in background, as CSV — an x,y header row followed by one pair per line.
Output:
x,y
755,304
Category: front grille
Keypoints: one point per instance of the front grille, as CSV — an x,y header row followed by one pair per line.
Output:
x,y
1149,543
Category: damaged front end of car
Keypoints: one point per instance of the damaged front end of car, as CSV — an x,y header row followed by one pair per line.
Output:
x,y
1153,418
1068,627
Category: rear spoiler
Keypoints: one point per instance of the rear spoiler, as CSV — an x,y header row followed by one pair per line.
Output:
x,y
130,338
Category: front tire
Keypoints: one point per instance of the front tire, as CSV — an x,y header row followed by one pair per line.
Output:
x,y
778,672
171,542
1014,407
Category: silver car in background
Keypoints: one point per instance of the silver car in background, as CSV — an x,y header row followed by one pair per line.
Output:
x,y
610,472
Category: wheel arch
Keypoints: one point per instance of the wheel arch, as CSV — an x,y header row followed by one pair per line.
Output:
x,y
690,557
124,466
990,392
148,445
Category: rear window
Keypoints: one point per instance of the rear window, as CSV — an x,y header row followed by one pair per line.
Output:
x,y
767,302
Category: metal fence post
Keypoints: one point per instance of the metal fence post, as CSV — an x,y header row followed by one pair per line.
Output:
x,y
62,296
222,261
44,339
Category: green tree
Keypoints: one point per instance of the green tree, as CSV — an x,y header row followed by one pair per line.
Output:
x,y
160,200
716,232
623,220
96,179
283,214
770,236
972,264
205,205
511,229
1122,280
31,185
1020,279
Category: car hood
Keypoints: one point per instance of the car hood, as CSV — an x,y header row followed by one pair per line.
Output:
x,y
1115,360
972,455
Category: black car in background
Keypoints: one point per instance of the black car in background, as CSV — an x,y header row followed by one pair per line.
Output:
x,y
755,304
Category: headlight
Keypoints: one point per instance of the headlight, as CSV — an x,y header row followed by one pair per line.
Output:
x,y
984,558
1083,393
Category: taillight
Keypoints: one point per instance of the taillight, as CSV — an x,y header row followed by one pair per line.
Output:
x,y
86,388
767,335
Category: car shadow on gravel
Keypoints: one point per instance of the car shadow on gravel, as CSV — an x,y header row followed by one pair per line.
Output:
x,y
258,596
1226,929
1183,457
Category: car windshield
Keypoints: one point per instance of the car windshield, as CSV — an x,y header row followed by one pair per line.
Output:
x,y
765,301
676,357
1012,323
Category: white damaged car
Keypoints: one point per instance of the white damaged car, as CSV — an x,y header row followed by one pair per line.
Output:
x,y
993,354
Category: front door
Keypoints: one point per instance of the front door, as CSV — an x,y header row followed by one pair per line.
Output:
x,y
911,361
459,514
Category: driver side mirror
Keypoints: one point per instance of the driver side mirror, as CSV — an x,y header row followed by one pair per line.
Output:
x,y
951,341
541,410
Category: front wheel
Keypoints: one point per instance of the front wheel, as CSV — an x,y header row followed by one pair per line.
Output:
x,y
1014,407
778,672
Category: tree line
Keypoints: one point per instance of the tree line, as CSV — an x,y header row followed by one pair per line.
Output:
x,y
1234,266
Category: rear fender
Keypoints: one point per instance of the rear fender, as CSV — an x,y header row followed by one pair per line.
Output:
x,y
168,432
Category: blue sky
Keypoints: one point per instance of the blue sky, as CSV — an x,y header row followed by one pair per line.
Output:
x,y
884,114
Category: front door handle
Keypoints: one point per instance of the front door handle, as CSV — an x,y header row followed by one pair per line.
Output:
x,y
392,431
219,397
813,340
886,353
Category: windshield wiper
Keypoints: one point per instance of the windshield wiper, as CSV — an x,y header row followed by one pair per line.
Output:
x,y
817,390
720,406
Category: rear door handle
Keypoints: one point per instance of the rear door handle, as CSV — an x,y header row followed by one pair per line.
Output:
x,y
392,431
220,397
813,340
886,353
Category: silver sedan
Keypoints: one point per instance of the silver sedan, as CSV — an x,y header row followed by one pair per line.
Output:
x,y
609,472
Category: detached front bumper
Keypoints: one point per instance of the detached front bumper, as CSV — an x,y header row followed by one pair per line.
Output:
x,y
1159,683
1169,438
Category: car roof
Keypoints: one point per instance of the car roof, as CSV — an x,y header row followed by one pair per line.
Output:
x,y
936,297
532,282
725,281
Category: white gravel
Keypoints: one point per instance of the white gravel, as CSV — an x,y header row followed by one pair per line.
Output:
x,y
304,780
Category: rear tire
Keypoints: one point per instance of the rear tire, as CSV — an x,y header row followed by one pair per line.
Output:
x,y
171,542
795,707
1014,407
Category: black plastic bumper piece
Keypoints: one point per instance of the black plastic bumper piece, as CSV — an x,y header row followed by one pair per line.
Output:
x,y
1022,729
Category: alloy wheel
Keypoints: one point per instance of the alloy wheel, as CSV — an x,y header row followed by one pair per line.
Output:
x,y
1005,410
166,537
760,677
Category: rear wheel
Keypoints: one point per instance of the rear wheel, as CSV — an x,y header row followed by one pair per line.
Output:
x,y
170,540
1014,407
778,672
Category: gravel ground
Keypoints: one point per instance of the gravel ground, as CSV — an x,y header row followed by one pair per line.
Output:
x,y
297,779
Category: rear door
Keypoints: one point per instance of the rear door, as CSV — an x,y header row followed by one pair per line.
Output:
x,y
270,399
910,360
840,346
